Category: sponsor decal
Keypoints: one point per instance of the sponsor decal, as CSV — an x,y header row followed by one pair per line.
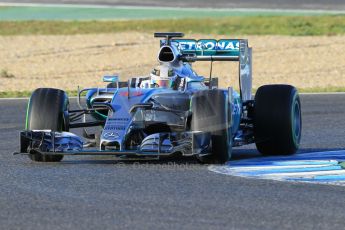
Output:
x,y
208,45
204,47
111,135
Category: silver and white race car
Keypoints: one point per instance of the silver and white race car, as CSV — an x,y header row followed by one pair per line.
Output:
x,y
171,111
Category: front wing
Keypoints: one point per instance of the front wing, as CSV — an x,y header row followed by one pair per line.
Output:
x,y
46,142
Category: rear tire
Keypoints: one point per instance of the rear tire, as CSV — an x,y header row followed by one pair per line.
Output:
x,y
47,109
277,120
211,114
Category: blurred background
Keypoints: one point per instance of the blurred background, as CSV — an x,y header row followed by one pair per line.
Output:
x,y
70,43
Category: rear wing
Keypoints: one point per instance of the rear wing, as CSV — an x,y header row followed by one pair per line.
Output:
x,y
219,50
209,49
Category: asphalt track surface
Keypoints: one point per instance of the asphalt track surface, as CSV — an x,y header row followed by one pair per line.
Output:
x,y
105,193
255,4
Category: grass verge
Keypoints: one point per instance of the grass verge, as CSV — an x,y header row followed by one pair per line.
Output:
x,y
256,25
23,94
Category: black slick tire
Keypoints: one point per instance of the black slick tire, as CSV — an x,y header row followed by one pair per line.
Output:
x,y
210,114
277,120
47,109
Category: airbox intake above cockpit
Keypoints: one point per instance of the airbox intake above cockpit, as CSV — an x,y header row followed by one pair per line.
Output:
x,y
166,54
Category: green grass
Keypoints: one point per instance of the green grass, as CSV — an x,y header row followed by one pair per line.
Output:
x,y
331,89
72,93
8,94
256,25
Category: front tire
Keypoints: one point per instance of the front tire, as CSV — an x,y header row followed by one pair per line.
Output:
x,y
277,120
47,109
211,115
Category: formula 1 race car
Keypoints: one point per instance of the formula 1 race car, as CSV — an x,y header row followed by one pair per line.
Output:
x,y
171,111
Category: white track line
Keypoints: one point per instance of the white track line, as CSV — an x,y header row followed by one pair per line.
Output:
x,y
13,98
305,174
259,168
322,165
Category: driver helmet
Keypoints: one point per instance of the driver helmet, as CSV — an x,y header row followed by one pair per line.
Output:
x,y
163,76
